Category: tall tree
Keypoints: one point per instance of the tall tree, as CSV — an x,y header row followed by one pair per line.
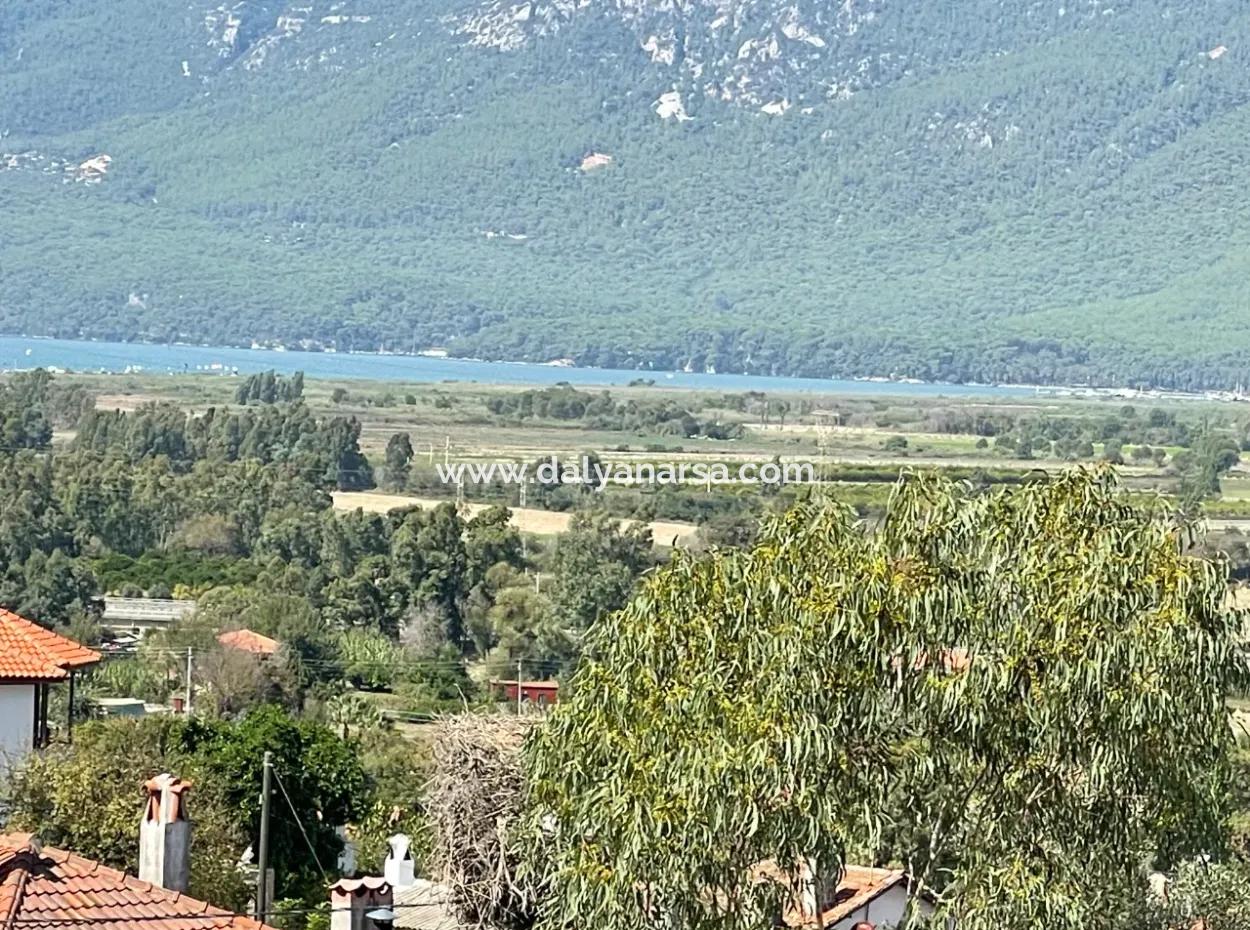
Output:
x,y
1017,694
398,462
595,565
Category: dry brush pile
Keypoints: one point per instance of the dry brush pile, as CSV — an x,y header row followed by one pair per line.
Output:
x,y
475,806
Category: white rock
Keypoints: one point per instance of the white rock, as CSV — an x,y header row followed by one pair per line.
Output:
x,y
670,106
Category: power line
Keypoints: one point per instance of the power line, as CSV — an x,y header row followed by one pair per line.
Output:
x,y
299,823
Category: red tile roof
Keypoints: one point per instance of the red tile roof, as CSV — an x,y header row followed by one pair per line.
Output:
x,y
56,890
249,641
28,652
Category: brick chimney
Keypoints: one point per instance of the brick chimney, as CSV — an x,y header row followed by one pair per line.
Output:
x,y
352,898
399,869
165,834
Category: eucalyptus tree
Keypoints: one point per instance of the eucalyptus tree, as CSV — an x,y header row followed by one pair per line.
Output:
x,y
1017,695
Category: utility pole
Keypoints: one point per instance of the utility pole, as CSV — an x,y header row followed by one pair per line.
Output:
x,y
186,709
518,686
262,855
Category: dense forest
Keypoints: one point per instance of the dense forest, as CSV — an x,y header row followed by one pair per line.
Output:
x,y
233,506
1023,193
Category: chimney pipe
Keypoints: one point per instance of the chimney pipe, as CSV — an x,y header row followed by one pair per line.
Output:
x,y
165,834
399,869
351,899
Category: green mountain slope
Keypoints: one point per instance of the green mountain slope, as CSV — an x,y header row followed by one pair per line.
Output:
x,y
968,191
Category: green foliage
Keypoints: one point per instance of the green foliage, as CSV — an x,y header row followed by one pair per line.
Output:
x,y
156,569
352,711
1200,894
369,660
1212,457
322,775
131,677
595,565
1018,695
269,388
86,797
326,452
398,461
599,411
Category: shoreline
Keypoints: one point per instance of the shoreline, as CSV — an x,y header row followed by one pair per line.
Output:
x,y
238,360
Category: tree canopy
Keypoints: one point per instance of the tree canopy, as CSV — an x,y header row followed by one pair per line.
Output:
x,y
1019,695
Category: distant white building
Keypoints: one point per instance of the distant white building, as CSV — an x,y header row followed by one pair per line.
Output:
x,y
140,614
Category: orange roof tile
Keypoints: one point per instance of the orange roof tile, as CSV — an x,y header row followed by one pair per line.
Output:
x,y
249,641
58,890
29,652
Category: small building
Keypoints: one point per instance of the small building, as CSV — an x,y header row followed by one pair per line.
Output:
x,y
868,896
141,614
540,693
593,160
32,659
860,896
249,641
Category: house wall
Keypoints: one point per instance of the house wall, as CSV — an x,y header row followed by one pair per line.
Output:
x,y
530,693
885,910
538,695
17,722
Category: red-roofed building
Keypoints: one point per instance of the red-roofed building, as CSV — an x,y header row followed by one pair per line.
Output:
x,y
58,890
249,641
31,660
861,895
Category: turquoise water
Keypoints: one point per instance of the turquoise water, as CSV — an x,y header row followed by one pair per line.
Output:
x,y
21,352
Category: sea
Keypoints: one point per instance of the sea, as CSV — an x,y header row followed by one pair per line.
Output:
x,y
17,353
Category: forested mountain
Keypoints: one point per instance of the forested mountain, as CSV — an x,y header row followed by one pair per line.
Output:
x,y
974,190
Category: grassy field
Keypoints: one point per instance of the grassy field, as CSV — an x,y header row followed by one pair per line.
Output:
x,y
861,440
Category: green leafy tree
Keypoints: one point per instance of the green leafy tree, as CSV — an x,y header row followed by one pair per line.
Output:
x,y
398,461
1212,457
429,556
1018,695
321,773
595,565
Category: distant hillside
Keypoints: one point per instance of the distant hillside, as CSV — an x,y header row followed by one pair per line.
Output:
x,y
1009,191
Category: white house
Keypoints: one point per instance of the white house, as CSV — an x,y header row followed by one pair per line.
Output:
x,y
869,896
857,897
32,659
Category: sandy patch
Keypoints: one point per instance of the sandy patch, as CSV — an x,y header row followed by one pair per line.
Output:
x,y
525,519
